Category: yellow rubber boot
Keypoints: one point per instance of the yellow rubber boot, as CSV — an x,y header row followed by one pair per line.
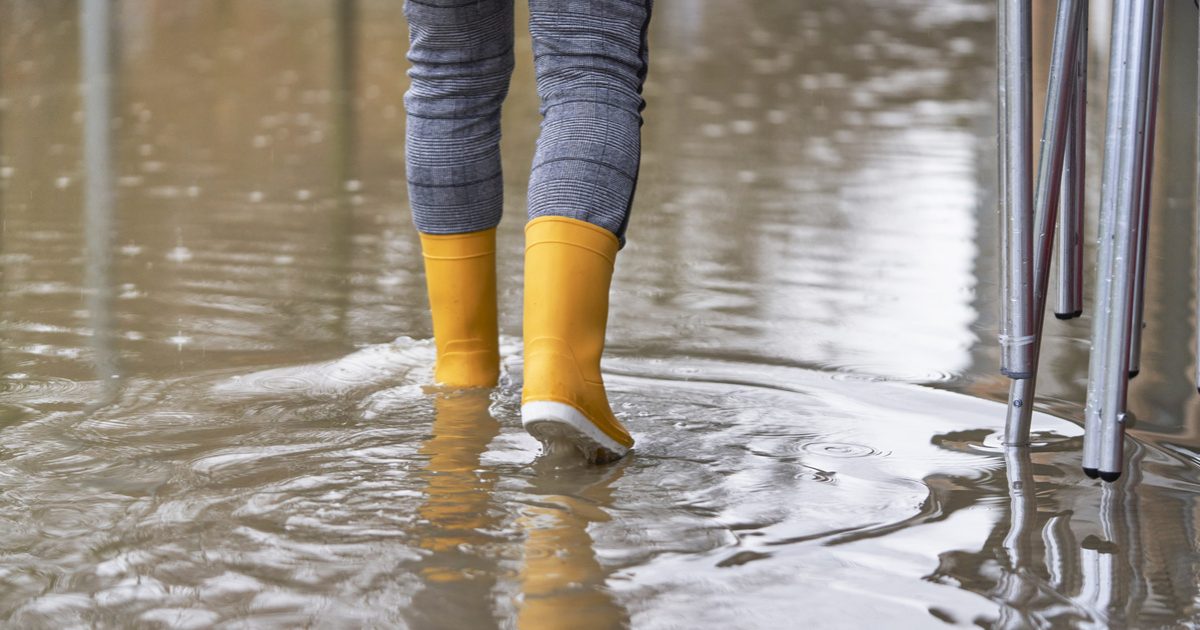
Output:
x,y
568,269
460,274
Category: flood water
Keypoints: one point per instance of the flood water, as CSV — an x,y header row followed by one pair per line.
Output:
x,y
215,351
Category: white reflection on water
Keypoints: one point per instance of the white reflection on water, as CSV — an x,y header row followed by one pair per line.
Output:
x,y
893,282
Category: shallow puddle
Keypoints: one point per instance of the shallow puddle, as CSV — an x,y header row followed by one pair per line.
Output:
x,y
215,359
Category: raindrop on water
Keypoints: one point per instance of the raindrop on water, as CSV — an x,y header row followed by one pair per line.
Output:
x,y
179,254
747,177
743,127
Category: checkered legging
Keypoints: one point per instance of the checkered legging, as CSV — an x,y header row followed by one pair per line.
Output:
x,y
590,57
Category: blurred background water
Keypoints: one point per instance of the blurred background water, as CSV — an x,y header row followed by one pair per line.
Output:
x,y
214,345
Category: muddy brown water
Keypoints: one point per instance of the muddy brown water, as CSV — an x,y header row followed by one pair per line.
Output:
x,y
214,349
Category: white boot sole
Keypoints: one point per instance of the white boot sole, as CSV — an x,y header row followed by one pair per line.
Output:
x,y
555,424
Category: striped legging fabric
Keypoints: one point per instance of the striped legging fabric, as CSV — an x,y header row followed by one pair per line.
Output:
x,y
590,57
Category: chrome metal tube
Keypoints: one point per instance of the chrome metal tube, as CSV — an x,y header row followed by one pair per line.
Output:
x,y
1197,181
1069,244
1016,190
1099,358
1197,200
1149,127
1114,380
1049,176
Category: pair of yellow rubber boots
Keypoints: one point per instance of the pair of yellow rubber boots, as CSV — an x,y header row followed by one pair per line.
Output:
x,y
568,270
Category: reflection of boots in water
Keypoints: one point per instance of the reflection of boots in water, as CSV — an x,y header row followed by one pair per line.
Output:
x,y
455,519
460,274
562,583
568,268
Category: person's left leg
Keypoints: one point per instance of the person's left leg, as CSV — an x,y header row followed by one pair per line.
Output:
x,y
590,57
462,58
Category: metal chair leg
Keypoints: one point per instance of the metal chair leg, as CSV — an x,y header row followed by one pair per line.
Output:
x,y
1149,126
1050,169
1016,192
1197,200
1099,358
1112,332
1069,244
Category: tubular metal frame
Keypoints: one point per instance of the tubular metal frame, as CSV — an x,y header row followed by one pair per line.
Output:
x,y
1124,212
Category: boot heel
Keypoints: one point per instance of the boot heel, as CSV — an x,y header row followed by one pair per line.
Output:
x,y
559,425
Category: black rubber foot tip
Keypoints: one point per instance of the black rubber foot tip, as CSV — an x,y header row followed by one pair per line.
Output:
x,y
1134,373
1110,476
1092,473
1068,315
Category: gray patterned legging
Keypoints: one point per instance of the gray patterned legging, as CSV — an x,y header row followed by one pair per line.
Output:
x,y
590,57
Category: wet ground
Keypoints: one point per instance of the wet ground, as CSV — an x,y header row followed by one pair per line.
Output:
x,y
214,348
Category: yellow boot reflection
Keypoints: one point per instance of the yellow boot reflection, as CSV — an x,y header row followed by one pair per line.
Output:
x,y
562,583
455,519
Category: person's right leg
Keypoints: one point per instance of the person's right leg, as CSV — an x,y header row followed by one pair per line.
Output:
x,y
461,55
590,57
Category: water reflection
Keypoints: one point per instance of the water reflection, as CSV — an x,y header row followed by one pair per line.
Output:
x,y
457,516
98,198
1069,554
559,582
218,217
563,585
764,136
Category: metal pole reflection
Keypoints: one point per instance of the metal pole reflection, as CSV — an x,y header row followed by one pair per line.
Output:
x,y
1022,501
345,137
96,63
1015,588
1062,554
3,180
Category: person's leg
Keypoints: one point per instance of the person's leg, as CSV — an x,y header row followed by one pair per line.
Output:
x,y
590,57
461,56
